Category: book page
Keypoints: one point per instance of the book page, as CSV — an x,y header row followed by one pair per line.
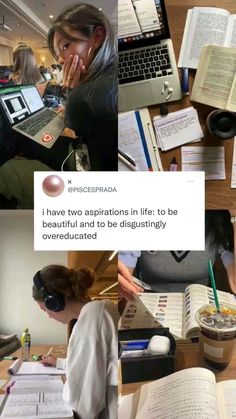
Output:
x,y
231,104
128,22
136,316
233,174
210,160
215,76
185,394
226,391
204,25
167,309
195,296
230,40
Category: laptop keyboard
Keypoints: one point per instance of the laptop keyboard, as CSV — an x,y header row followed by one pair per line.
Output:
x,y
35,123
143,64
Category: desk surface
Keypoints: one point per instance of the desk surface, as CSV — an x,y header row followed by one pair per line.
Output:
x,y
188,356
58,350
219,195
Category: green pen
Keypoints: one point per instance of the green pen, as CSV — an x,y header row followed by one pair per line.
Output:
x,y
9,358
36,357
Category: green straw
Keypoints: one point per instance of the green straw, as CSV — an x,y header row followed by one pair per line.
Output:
x,y
213,284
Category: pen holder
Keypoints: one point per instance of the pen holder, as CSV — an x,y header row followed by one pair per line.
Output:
x,y
222,123
150,367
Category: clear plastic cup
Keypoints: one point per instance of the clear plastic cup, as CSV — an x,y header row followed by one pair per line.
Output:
x,y
217,334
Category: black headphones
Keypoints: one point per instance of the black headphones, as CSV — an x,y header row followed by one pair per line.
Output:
x,y
54,301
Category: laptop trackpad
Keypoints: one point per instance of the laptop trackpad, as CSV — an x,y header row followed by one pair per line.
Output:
x,y
137,96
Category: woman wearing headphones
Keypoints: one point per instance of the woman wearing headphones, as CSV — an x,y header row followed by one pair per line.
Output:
x,y
91,363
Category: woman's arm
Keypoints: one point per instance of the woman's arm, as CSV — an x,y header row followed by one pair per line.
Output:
x,y
127,288
231,267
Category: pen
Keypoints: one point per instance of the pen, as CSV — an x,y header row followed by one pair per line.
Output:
x,y
173,165
8,358
9,387
126,157
125,161
49,352
184,81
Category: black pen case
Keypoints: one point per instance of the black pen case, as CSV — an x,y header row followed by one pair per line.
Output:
x,y
150,367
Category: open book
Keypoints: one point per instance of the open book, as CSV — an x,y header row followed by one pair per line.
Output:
x,y
24,368
215,81
190,393
173,310
206,25
40,397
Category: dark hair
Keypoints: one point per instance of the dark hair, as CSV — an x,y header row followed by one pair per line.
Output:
x,y
219,228
72,284
25,69
85,18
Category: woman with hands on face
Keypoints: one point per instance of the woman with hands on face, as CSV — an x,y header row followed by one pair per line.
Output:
x,y
83,42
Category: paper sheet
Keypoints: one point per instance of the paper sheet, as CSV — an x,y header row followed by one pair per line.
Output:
x,y
177,128
130,141
210,160
233,175
24,368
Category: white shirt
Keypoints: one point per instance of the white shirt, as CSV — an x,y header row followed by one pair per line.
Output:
x,y
91,364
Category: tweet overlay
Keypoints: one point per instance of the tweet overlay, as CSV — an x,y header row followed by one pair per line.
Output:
x,y
119,210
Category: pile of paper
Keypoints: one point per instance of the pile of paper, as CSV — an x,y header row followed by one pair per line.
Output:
x,y
177,128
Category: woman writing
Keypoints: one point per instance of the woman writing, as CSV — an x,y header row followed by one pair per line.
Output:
x,y
83,42
91,363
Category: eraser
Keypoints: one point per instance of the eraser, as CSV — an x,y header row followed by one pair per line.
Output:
x,y
159,345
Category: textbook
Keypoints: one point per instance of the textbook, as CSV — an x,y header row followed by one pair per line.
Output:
x,y
35,398
24,368
205,25
136,138
173,310
189,393
215,80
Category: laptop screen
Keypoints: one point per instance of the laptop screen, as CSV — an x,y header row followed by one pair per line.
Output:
x,y
19,102
141,23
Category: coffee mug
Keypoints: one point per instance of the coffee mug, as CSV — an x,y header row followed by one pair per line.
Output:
x,y
222,123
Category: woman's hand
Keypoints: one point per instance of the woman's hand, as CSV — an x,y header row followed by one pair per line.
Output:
x,y
127,288
49,361
73,71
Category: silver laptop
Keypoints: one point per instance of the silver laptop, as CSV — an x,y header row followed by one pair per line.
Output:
x,y
148,73
25,112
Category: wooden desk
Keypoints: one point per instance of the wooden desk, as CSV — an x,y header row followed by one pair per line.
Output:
x,y
58,351
188,356
219,195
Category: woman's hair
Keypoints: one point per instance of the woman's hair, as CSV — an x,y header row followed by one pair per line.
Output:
x,y
85,18
219,228
25,68
72,284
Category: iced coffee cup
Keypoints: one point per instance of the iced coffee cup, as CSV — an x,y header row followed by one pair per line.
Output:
x,y
217,334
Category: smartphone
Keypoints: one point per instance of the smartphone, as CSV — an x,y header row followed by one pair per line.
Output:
x,y
142,284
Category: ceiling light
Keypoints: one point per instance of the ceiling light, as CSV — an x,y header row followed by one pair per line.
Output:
x,y
112,255
51,16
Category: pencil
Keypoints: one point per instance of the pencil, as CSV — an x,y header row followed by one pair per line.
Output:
x,y
213,284
49,352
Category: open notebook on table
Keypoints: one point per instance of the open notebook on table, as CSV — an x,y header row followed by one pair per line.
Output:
x,y
29,368
35,397
136,138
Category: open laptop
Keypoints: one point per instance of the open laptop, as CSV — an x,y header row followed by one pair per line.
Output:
x,y
25,112
148,73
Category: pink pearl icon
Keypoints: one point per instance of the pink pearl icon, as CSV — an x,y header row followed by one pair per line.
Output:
x,y
53,185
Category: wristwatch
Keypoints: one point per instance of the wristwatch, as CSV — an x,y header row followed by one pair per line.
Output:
x,y
233,219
